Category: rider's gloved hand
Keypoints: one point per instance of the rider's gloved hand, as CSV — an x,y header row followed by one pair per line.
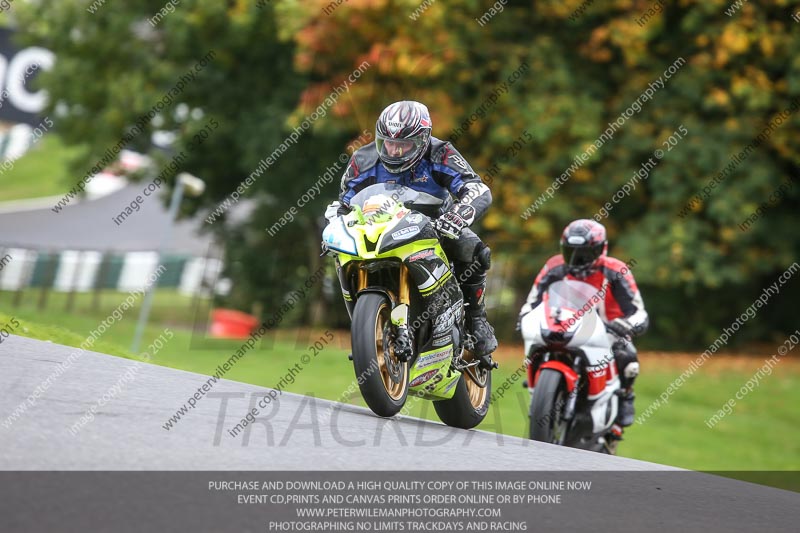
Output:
x,y
621,327
455,219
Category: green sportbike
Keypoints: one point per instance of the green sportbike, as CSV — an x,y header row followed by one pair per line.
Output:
x,y
407,310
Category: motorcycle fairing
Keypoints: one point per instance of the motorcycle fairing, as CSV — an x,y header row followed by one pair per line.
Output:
x,y
586,335
336,237
599,378
406,237
436,385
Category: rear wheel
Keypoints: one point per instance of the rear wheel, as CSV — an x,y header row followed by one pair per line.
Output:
x,y
547,408
470,403
382,378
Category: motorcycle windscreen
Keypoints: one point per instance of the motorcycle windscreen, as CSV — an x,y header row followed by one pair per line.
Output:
x,y
400,194
571,308
394,191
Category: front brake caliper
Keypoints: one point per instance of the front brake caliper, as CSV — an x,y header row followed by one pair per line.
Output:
x,y
402,345
403,348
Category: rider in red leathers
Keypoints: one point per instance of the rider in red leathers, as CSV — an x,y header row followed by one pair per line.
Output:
x,y
584,257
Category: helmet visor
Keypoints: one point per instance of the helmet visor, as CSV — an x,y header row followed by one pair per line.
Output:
x,y
581,256
398,152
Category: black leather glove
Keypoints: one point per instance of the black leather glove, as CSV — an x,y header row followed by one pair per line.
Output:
x,y
455,219
621,327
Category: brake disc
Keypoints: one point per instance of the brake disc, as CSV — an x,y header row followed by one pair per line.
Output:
x,y
393,367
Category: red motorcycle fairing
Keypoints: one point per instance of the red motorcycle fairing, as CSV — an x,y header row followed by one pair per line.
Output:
x,y
569,374
598,379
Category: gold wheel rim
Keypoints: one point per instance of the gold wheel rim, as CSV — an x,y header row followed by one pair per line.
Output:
x,y
476,393
394,390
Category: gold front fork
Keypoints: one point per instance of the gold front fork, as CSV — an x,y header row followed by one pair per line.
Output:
x,y
405,293
400,312
362,280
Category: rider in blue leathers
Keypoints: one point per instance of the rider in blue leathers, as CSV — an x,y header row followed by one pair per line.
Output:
x,y
405,153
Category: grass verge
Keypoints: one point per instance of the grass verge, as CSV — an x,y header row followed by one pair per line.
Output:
x,y
761,433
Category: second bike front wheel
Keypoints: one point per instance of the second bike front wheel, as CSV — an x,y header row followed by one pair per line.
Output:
x,y
381,377
547,408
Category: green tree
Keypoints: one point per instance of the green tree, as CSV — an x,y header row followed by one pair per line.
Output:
x,y
115,65
587,68
577,68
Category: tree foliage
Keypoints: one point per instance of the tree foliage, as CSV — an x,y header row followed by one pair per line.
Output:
x,y
585,65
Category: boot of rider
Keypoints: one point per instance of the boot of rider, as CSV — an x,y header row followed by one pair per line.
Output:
x,y
626,410
485,342
628,362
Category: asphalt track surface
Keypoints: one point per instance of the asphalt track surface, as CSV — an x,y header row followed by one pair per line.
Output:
x,y
299,433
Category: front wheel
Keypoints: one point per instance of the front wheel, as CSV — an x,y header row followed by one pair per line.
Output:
x,y
382,378
547,408
469,404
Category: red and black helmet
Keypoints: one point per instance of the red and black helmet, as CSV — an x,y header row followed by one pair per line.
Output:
x,y
402,135
582,244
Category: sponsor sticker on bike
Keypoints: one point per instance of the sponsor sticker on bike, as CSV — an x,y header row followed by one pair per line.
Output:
x,y
599,373
433,358
445,321
441,340
405,233
414,218
423,378
424,254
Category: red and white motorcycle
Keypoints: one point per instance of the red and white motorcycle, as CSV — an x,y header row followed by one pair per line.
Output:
x,y
572,374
